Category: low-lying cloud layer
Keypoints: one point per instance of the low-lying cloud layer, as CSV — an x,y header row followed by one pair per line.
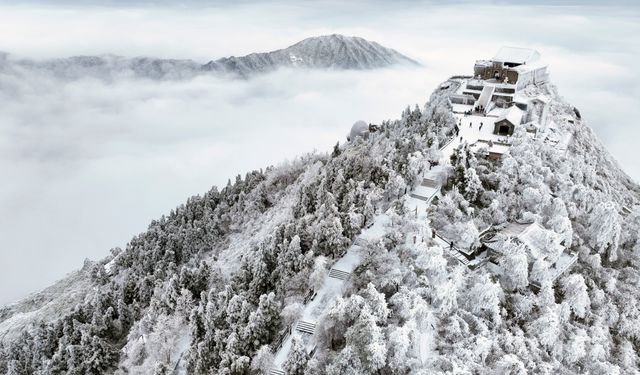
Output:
x,y
87,163
90,163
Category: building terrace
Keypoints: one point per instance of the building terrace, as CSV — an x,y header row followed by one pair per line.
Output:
x,y
494,101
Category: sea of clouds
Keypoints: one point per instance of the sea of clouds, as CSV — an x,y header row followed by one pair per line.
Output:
x,y
87,163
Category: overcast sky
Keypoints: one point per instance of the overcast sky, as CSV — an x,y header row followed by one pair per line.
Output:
x,y
85,164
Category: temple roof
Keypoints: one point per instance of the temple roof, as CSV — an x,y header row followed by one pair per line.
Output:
x,y
512,114
516,55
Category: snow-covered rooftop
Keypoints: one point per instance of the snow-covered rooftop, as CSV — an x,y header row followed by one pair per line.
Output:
x,y
516,55
534,65
536,238
512,114
492,148
541,98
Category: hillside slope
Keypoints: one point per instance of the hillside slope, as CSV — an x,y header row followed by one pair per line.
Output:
x,y
46,304
217,285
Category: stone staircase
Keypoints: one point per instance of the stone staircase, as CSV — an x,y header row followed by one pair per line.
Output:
x,y
306,327
360,242
428,187
451,251
459,257
485,97
275,371
429,182
416,196
338,274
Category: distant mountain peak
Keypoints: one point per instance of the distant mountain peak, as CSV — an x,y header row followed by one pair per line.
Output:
x,y
334,51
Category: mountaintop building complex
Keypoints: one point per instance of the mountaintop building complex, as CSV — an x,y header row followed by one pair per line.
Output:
x,y
511,65
503,94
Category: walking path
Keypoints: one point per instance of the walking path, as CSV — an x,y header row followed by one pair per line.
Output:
x,y
418,200
332,288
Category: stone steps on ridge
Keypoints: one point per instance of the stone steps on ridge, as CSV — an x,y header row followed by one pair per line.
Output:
x,y
339,274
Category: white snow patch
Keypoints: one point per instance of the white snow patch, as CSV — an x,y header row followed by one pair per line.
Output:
x,y
332,287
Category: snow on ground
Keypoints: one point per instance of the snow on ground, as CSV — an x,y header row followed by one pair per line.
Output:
x,y
425,330
471,129
461,108
565,262
281,355
426,339
184,342
377,230
10,328
46,305
108,267
168,342
427,192
417,203
557,137
257,229
253,232
471,132
332,287
418,207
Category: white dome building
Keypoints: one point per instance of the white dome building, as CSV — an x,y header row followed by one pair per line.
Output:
x,y
359,129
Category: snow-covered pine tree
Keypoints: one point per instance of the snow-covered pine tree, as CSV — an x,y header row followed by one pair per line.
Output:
x,y
296,362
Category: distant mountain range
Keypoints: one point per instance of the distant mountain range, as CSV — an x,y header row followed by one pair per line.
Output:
x,y
323,52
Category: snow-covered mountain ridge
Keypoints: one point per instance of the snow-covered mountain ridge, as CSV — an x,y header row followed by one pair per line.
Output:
x,y
322,52
326,52
335,264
